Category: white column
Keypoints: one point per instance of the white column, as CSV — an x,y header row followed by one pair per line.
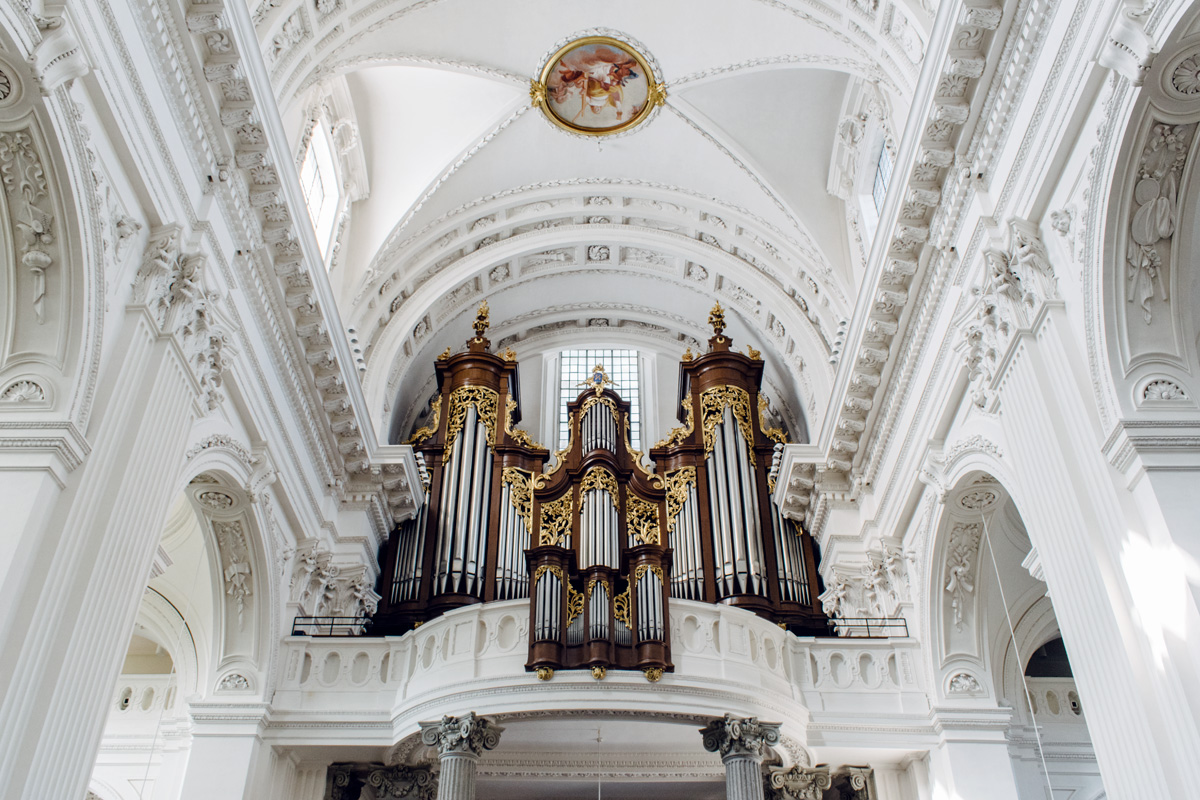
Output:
x,y
967,767
228,758
740,741
309,784
86,561
459,741
1080,529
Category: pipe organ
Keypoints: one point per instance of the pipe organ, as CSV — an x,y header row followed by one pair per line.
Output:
x,y
599,540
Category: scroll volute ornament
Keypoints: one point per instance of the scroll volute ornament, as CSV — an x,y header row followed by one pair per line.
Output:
x,y
467,734
739,736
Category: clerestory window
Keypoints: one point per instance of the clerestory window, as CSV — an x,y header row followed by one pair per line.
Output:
x,y
318,180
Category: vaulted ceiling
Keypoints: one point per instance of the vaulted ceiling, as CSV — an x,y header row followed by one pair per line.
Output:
x,y
468,191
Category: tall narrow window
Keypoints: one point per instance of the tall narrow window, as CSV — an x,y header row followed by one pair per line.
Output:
x,y
575,367
883,176
318,180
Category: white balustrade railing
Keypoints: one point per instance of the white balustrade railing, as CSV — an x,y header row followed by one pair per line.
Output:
x,y
484,648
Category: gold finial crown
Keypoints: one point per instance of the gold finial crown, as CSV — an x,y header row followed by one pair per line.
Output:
x,y
482,320
716,318
598,380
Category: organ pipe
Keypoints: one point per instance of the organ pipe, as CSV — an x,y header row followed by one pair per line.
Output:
x,y
598,542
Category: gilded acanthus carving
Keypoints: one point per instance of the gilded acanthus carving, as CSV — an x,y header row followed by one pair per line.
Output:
x,y
677,492
467,734
556,521
737,736
520,487
487,405
1148,254
712,409
642,520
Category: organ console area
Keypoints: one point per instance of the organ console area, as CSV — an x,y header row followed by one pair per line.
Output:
x,y
598,540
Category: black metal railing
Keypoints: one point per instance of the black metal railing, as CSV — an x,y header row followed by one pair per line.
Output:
x,y
869,627
329,626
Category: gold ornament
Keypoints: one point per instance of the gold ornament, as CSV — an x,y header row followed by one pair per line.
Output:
x,y
752,353
516,434
598,672
509,354
677,435
556,522
658,94
537,93
716,318
445,354
486,402
712,410
545,673
688,355
774,434
482,320
641,520
520,491
600,478
653,674
598,380
621,607
677,492
435,412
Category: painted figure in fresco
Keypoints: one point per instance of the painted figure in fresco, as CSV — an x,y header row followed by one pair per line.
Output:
x,y
598,75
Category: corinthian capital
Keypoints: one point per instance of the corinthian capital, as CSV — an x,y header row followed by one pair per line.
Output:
x,y
466,734
734,736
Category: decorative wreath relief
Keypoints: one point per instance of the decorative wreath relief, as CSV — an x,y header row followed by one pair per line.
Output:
x,y
596,86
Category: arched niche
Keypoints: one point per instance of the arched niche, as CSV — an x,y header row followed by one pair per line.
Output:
x,y
52,261
1150,286
224,486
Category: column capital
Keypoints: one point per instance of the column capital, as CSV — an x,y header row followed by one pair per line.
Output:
x,y
465,734
739,736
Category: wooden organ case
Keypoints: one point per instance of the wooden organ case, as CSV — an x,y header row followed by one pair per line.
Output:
x,y
598,542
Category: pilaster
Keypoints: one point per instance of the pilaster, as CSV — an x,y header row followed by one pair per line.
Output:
x,y
1079,529
88,561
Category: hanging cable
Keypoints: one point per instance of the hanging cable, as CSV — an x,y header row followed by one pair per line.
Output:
x,y
1020,661
174,674
599,777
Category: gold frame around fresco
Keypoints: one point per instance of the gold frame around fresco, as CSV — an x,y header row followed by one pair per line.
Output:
x,y
656,92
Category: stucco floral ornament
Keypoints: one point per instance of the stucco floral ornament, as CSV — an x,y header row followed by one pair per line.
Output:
x,y
1186,77
1154,219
